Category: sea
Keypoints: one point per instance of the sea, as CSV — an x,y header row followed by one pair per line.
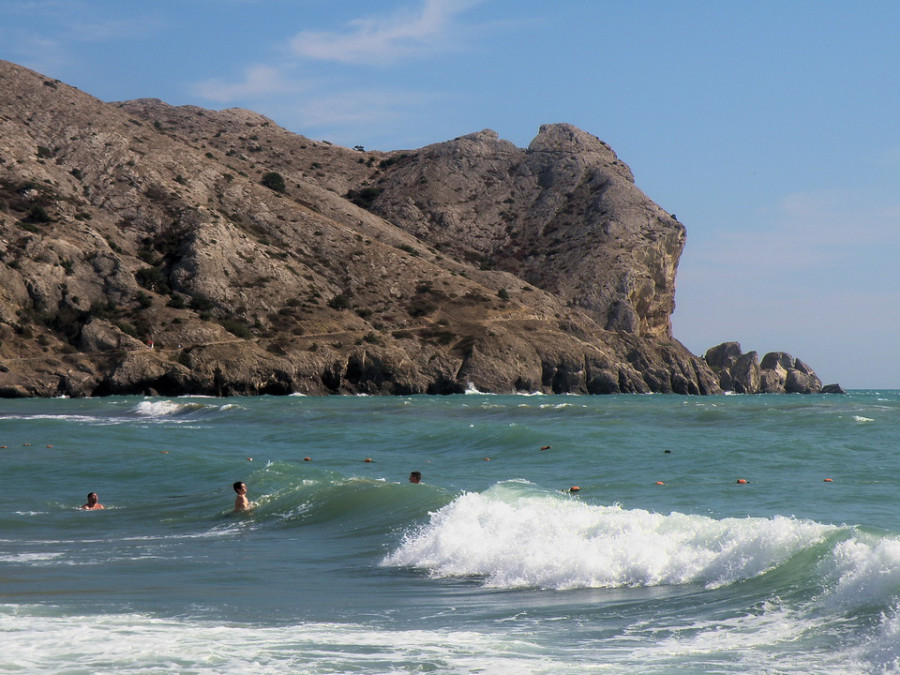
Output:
x,y
583,534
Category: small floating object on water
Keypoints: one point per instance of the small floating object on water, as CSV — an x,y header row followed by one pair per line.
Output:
x,y
307,459
659,482
368,460
545,447
828,480
574,488
741,481
249,459
487,459
3,447
26,444
164,452
667,452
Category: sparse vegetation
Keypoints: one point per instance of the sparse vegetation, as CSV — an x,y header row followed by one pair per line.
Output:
x,y
200,303
37,214
153,279
237,328
364,197
390,161
274,181
339,301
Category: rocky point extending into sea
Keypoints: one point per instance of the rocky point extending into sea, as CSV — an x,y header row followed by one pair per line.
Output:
x,y
148,248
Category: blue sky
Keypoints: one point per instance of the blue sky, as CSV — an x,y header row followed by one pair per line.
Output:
x,y
771,128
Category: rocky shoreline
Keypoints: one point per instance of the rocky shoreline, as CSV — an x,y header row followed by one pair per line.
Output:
x,y
777,373
257,261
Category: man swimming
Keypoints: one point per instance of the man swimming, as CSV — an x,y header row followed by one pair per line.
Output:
x,y
241,503
93,503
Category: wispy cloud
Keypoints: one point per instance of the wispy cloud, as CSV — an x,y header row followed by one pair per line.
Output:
x,y
43,54
79,21
807,230
342,105
429,29
354,107
256,81
105,30
48,35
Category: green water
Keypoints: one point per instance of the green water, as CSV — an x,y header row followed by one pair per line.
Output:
x,y
661,561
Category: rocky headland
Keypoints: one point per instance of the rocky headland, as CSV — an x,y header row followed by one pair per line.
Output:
x,y
777,373
146,248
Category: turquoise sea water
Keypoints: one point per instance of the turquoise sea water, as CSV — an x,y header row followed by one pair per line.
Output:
x,y
661,563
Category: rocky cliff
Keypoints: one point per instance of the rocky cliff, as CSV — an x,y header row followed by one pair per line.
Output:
x,y
777,373
254,260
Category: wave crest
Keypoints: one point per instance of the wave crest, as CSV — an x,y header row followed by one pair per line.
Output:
x,y
513,539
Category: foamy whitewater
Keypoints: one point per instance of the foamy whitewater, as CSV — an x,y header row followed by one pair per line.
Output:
x,y
622,534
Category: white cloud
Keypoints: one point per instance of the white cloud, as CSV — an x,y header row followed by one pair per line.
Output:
x,y
82,22
355,107
114,29
41,54
386,40
806,230
257,81
813,274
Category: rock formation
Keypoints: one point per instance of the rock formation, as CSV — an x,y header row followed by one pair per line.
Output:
x,y
777,373
254,260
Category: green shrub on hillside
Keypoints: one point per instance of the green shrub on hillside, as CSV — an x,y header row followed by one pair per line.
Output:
x,y
274,181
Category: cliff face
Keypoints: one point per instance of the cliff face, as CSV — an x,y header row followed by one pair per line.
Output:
x,y
259,261
563,215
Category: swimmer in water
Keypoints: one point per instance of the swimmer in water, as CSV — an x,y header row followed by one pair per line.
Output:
x,y
241,503
93,503
415,477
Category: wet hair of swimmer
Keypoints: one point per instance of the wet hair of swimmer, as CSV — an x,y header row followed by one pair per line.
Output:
x,y
415,476
237,486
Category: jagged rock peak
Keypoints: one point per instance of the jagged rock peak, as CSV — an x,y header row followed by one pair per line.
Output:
x,y
562,137
484,134
777,373
480,144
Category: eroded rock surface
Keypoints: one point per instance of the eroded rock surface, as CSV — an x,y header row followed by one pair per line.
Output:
x,y
254,260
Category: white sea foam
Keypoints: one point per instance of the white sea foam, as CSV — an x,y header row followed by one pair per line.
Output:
x,y
516,540
47,640
866,569
764,639
31,558
882,649
158,408
138,643
64,418
861,419
169,409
